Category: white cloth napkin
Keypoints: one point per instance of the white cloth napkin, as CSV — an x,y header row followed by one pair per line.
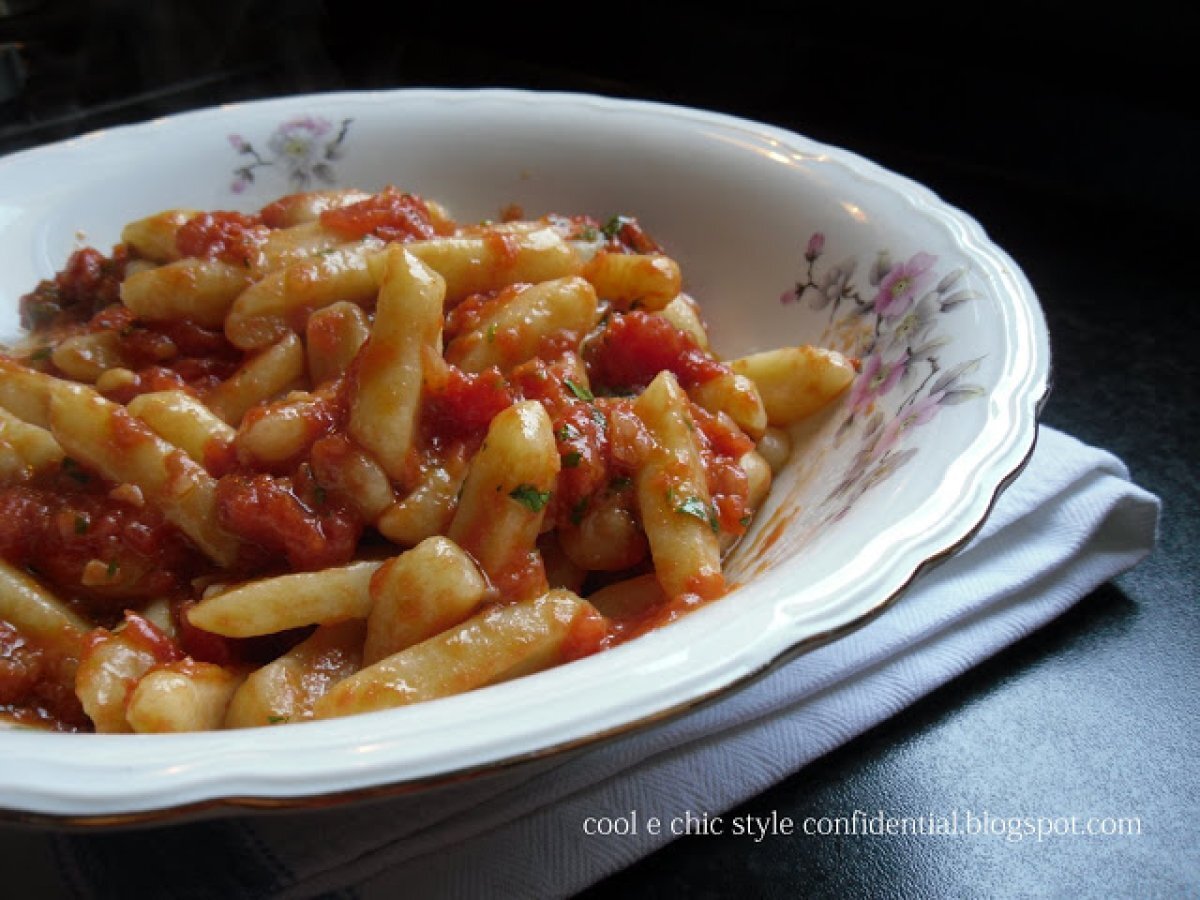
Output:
x,y
1070,522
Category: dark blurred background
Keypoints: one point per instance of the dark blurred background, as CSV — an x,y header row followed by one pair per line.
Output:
x,y
1069,131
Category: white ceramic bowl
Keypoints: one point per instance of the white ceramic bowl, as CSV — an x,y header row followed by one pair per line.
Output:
x,y
779,238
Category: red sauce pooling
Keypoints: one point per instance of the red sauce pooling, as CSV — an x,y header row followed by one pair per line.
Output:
x,y
151,638
89,282
722,447
391,216
58,529
463,405
269,512
636,346
231,237
629,235
470,313
580,432
36,687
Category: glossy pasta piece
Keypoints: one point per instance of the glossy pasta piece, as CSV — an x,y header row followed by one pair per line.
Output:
x,y
107,674
278,432
182,420
307,206
420,593
607,538
270,605
343,469
650,280
263,377
775,446
473,265
737,397
277,305
385,397
284,246
561,311
25,450
499,643
333,337
85,357
429,507
202,290
505,496
286,689
35,611
673,496
796,382
632,598
153,237
26,393
684,314
181,696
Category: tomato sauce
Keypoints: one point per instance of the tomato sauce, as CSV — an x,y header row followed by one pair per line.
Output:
x,y
462,406
89,283
634,347
37,687
101,551
289,518
231,237
391,216
580,433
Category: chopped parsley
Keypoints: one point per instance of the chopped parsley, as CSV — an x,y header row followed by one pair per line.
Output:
x,y
579,390
74,471
744,521
81,524
598,418
697,509
530,496
613,226
41,353
112,568
588,233
277,720
578,510
571,460
491,333
567,432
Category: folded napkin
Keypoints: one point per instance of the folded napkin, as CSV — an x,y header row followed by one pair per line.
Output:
x,y
1071,521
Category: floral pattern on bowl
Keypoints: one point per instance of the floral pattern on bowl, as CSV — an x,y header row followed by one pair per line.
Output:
x,y
303,149
892,331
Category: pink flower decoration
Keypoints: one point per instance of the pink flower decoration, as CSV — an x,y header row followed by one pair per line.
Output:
x,y
314,125
902,284
816,246
876,379
917,414
238,143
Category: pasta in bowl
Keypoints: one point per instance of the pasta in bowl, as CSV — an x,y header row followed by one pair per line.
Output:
x,y
350,449
346,454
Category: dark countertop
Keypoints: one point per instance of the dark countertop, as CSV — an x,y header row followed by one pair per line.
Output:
x,y
1065,139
